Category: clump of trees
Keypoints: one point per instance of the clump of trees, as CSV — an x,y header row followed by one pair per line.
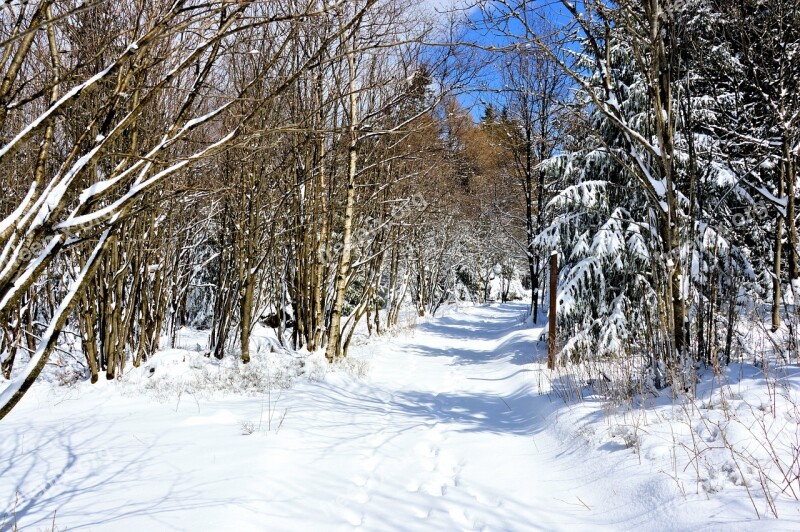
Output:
x,y
675,170
176,162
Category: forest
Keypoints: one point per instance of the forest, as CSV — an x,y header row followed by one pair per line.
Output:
x,y
291,176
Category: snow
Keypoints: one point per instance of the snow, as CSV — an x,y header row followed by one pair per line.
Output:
x,y
457,426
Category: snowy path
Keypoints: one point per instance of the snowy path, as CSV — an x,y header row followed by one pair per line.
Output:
x,y
448,432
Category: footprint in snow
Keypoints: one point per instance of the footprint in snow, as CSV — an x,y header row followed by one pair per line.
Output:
x,y
434,488
362,497
353,517
422,513
459,515
484,499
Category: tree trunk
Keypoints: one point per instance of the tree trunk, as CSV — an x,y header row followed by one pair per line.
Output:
x,y
335,331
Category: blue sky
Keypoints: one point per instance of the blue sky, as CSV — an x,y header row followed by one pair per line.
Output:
x,y
475,99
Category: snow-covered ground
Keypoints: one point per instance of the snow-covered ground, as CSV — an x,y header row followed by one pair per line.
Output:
x,y
456,426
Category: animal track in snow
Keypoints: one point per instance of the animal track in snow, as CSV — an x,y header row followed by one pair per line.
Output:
x,y
353,517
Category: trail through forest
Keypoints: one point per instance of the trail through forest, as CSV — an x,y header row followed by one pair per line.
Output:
x,y
452,429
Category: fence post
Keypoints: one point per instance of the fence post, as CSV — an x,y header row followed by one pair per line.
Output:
x,y
551,344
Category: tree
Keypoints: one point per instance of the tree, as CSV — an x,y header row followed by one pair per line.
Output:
x,y
528,133
161,66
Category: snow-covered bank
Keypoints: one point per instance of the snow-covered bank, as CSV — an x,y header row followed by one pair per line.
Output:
x,y
452,429
736,438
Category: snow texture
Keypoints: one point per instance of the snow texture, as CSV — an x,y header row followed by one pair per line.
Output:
x,y
457,426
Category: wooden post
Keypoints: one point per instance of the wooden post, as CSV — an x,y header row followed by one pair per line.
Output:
x,y
551,344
